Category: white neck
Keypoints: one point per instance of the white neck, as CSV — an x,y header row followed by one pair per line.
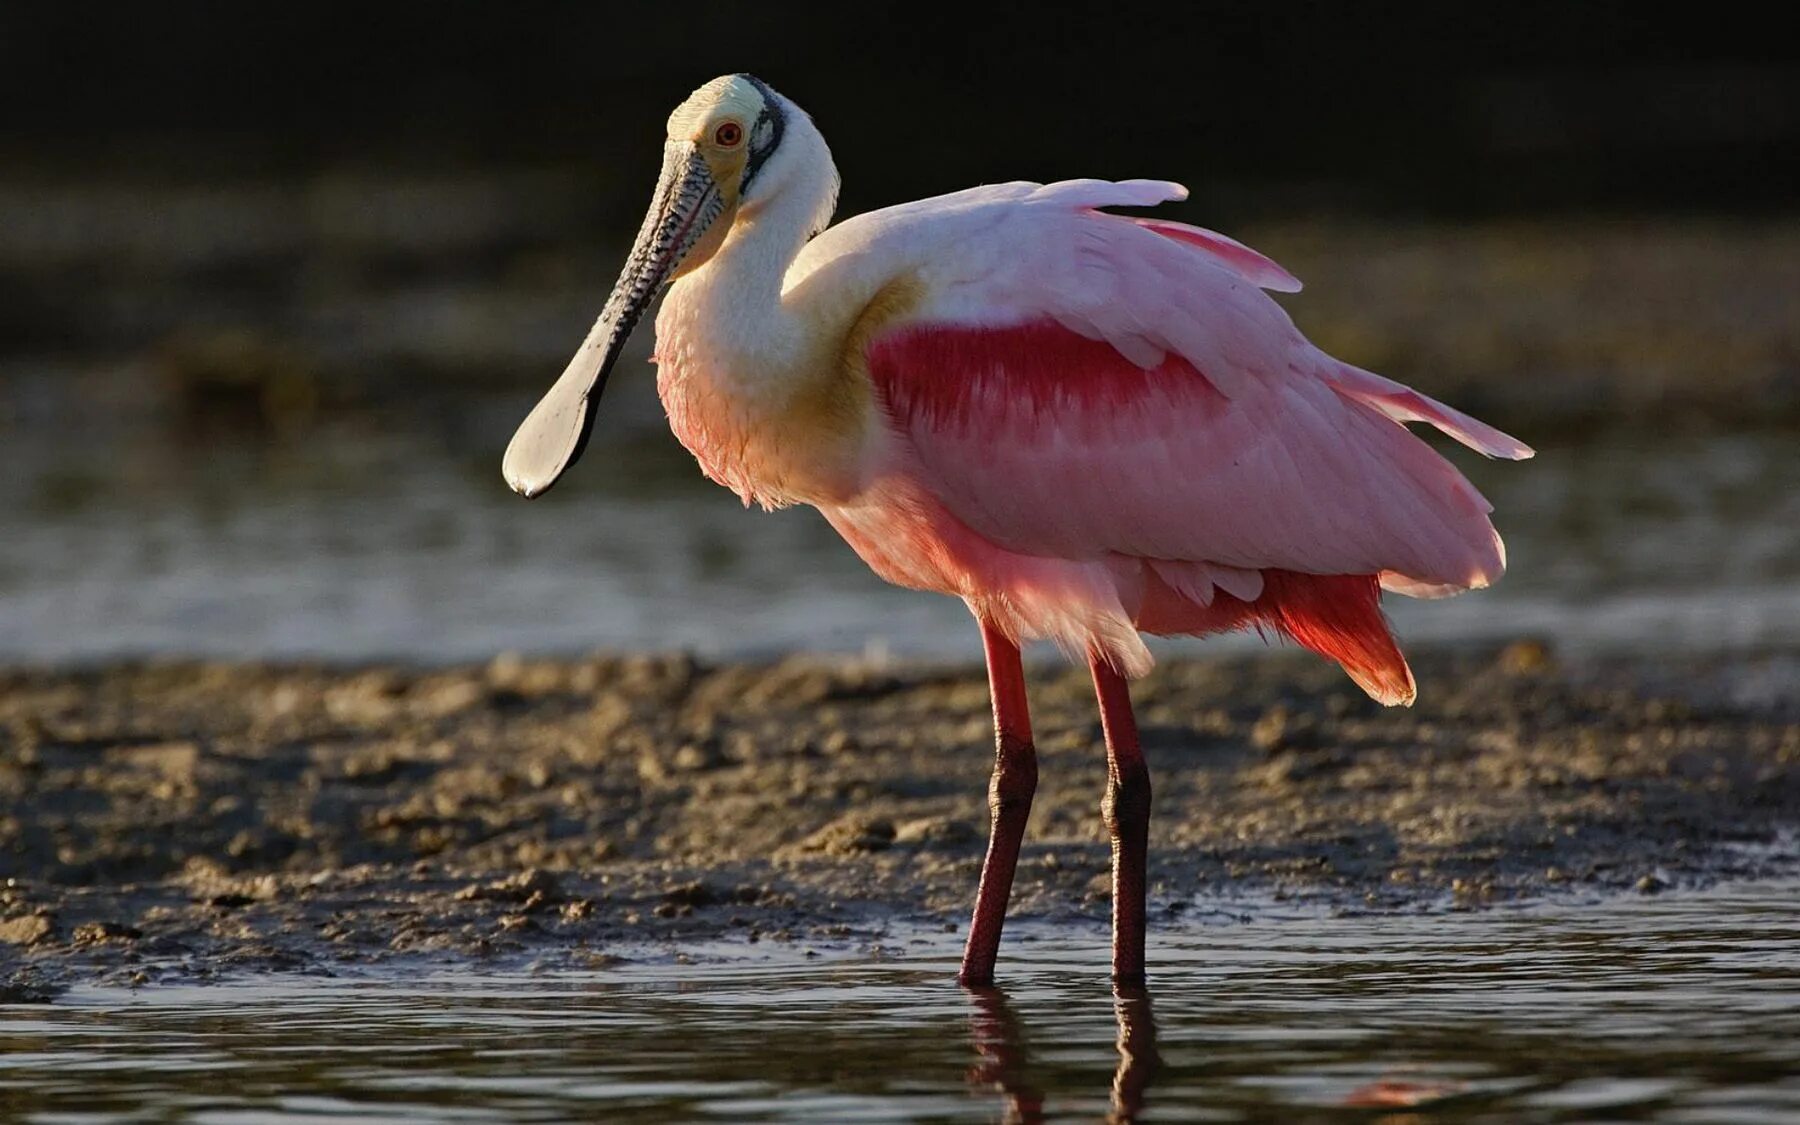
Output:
x,y
748,366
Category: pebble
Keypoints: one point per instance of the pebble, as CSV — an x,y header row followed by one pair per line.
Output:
x,y
28,930
96,933
936,830
849,835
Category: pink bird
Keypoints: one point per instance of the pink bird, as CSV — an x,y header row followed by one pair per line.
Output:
x,y
1086,426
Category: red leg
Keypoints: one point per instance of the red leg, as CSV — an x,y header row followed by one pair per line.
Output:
x,y
1009,801
1126,809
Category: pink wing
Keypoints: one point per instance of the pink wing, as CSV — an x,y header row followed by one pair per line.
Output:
x,y
1116,385
1084,386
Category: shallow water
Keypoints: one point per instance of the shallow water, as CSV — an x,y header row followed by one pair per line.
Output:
x,y
1672,1008
385,534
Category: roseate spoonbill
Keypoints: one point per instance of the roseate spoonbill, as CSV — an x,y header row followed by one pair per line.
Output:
x,y
1086,426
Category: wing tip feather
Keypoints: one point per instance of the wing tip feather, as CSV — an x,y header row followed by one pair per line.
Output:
x,y
1403,404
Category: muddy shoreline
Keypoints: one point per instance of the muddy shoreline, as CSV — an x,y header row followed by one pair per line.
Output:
x,y
169,821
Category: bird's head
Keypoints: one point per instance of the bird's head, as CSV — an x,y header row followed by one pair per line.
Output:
x,y
734,147
719,145
721,158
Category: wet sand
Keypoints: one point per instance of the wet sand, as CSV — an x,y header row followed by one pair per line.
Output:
x,y
172,821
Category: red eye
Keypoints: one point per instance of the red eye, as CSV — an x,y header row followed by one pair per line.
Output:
x,y
729,134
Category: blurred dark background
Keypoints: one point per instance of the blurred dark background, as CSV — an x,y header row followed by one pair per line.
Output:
x,y
276,282
1384,108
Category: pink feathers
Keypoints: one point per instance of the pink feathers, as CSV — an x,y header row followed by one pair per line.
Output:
x,y
1103,429
1337,616
953,378
1230,253
1050,444
1403,404
1283,509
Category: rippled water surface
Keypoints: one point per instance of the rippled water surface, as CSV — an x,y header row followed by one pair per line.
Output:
x,y
392,536
1673,1008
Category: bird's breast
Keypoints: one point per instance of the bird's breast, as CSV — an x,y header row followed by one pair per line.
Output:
x,y
774,432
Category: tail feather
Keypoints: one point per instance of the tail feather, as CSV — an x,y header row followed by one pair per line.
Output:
x,y
1337,616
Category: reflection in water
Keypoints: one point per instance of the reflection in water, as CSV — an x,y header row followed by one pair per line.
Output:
x,y
1000,1045
1137,1051
997,1033
1397,1093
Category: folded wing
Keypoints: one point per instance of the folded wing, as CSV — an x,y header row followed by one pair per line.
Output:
x,y
1080,384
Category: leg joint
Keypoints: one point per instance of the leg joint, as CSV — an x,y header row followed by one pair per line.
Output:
x,y
1015,778
1127,800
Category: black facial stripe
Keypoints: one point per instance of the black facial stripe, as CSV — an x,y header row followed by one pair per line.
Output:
x,y
765,134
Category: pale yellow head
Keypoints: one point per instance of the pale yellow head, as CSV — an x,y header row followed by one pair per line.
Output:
x,y
720,120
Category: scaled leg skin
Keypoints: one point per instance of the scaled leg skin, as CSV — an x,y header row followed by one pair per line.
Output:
x,y
1126,809
1009,800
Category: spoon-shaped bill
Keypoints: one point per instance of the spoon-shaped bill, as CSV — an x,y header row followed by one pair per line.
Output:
x,y
686,203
